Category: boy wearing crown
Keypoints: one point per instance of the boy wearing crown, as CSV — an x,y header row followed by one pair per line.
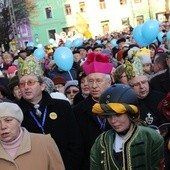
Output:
x,y
45,115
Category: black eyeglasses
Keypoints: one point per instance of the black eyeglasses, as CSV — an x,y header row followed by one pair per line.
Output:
x,y
72,91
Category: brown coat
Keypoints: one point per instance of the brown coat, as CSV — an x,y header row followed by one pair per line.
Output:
x,y
36,152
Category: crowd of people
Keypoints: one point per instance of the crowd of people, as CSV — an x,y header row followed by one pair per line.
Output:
x,y
109,111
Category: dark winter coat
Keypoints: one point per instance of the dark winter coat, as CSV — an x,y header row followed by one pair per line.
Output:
x,y
161,82
60,123
89,127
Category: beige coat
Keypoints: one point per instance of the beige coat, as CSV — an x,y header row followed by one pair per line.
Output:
x,y
36,152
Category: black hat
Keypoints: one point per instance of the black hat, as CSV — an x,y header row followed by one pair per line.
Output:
x,y
119,93
121,40
88,47
14,81
97,46
82,47
76,51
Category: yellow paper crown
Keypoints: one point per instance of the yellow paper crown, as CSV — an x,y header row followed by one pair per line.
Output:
x,y
30,65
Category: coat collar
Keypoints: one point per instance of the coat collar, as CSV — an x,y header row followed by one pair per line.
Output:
x,y
27,106
24,147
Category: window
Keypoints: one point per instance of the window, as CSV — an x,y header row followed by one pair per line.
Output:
x,y
51,34
140,19
105,26
82,7
48,12
125,21
68,9
123,2
70,31
137,1
102,4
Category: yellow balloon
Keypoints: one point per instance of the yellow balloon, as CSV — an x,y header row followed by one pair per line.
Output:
x,y
88,34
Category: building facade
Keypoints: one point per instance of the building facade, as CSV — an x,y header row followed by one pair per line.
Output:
x,y
102,16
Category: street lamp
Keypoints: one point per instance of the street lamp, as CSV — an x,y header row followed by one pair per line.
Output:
x,y
14,24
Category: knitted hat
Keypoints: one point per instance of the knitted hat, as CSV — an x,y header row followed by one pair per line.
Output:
x,y
97,63
160,50
49,85
70,83
11,69
9,109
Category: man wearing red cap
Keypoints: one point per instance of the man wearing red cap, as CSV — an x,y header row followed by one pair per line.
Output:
x,y
97,68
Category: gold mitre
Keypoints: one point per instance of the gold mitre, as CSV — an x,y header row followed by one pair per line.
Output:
x,y
133,69
30,65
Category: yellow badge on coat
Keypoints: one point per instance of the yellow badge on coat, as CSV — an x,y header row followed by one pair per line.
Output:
x,y
53,115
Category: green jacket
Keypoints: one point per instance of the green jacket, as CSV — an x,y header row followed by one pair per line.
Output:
x,y
143,150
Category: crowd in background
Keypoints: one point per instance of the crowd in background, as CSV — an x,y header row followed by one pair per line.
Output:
x,y
144,69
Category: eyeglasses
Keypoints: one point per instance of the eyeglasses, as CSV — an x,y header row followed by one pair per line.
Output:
x,y
139,83
73,92
29,83
97,81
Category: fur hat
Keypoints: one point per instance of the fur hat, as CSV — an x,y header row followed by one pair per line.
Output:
x,y
7,108
97,63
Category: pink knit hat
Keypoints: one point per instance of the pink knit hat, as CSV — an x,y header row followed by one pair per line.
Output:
x,y
11,69
97,63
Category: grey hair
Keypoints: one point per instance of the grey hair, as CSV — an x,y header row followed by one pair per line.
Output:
x,y
108,77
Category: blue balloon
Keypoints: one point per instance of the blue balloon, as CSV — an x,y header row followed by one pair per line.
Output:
x,y
63,58
168,36
137,35
98,42
68,44
30,44
39,53
40,46
113,42
155,41
160,35
150,30
77,42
